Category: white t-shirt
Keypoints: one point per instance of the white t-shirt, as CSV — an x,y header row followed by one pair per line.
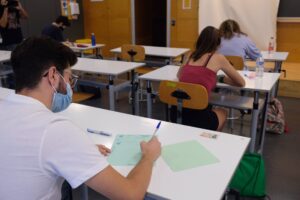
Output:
x,y
39,149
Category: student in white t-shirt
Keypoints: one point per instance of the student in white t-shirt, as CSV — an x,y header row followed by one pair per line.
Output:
x,y
40,149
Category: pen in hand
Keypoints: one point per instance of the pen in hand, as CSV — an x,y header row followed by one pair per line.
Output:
x,y
156,129
98,132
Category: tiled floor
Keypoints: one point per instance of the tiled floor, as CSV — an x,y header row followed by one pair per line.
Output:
x,y
281,152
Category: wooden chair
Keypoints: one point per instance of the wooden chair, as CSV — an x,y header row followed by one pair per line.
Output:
x,y
136,53
81,96
236,61
183,95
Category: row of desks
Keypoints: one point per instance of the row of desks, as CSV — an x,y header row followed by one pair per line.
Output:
x,y
115,68
208,182
205,182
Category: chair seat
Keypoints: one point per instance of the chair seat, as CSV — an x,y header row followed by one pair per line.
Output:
x,y
145,70
81,96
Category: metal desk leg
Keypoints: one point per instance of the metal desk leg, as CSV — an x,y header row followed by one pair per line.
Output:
x,y
254,121
264,123
111,91
116,56
99,53
84,192
149,99
134,94
277,69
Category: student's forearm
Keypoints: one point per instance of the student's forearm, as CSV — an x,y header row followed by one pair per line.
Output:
x,y
140,176
23,13
229,81
3,20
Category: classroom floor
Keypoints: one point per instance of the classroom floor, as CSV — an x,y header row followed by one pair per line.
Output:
x,y
281,152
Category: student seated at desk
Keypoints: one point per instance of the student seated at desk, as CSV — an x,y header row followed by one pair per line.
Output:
x,y
236,43
201,68
39,148
55,30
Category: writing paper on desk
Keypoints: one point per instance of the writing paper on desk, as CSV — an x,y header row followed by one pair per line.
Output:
x,y
126,150
187,155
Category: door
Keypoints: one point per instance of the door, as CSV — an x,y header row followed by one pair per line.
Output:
x,y
110,21
150,22
184,23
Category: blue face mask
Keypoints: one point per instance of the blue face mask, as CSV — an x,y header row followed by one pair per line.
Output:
x,y
61,101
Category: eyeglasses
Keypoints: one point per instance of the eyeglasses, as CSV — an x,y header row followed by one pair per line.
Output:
x,y
73,78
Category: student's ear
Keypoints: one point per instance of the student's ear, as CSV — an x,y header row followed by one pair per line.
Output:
x,y
53,76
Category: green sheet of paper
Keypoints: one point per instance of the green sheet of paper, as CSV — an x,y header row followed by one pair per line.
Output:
x,y
126,150
187,155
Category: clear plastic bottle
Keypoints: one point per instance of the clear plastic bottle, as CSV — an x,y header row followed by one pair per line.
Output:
x,y
246,71
260,66
271,46
93,39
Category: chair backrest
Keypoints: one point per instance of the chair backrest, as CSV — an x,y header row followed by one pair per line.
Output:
x,y
193,96
133,53
236,61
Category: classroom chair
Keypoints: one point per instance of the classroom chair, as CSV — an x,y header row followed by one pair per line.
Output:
x,y
136,53
236,61
183,95
81,96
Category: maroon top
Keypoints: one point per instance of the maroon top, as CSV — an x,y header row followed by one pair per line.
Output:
x,y
199,75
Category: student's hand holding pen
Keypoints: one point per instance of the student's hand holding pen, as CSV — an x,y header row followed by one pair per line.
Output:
x,y
103,149
152,149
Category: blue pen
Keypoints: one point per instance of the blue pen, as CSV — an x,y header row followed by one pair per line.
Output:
x,y
157,127
98,132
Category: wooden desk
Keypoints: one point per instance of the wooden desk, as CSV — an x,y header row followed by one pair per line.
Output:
x,y
205,182
170,53
112,69
256,85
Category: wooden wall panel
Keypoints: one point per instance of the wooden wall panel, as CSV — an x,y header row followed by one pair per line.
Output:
x,y
288,39
110,21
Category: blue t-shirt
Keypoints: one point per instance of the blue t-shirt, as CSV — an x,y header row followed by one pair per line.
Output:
x,y
54,32
239,45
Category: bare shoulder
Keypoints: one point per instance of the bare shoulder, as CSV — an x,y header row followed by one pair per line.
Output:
x,y
220,59
219,56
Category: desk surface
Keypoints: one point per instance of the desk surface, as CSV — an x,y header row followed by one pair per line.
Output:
x,y
169,52
169,72
74,46
4,55
106,67
206,182
276,56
